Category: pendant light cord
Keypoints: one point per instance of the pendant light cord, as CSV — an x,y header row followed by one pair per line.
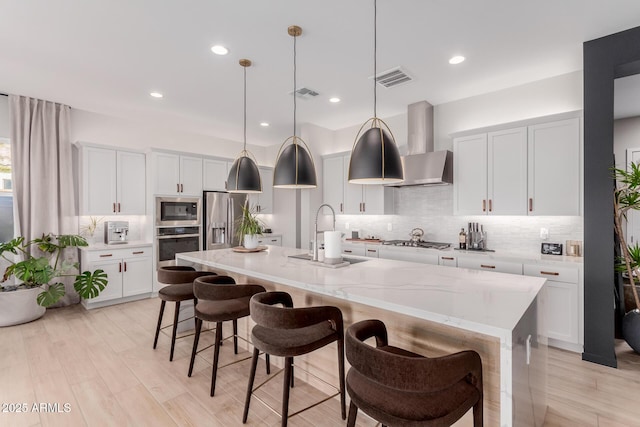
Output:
x,y
375,51
294,85
245,109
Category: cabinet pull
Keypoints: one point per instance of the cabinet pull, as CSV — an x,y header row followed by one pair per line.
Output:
x,y
182,188
487,266
347,251
274,240
106,255
114,207
371,250
530,204
119,267
448,258
550,273
177,188
484,205
118,206
341,207
125,266
138,252
364,207
490,206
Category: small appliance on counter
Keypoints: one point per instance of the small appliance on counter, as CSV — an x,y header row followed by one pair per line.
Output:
x,y
116,232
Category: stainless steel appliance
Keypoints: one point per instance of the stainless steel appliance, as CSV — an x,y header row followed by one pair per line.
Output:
x,y
177,211
221,211
417,244
116,232
173,240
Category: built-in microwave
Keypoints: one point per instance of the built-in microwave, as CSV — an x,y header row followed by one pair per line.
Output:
x,y
177,211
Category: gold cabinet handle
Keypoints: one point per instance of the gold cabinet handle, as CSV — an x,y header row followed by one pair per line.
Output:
x,y
182,188
487,266
114,207
106,255
138,252
490,206
550,273
118,206
177,188
347,251
484,205
371,250
119,267
341,210
125,266
447,258
530,204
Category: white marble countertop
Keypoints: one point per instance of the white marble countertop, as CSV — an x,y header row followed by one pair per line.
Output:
x,y
484,302
105,247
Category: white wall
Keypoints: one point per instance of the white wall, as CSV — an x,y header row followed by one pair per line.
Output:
x,y
626,134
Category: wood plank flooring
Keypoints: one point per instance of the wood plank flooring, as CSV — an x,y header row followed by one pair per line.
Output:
x,y
101,365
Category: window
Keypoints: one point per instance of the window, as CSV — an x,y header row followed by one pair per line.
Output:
x,y
6,193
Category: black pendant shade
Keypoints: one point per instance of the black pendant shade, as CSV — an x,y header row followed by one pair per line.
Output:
x,y
244,176
294,167
375,159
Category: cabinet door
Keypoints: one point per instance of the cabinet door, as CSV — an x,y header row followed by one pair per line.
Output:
x,y
265,199
352,192
373,199
98,181
562,311
214,174
137,277
356,249
190,176
554,168
167,173
131,183
113,290
333,183
507,172
470,175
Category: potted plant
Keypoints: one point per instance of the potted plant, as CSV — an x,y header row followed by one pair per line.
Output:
x,y
38,267
249,227
627,197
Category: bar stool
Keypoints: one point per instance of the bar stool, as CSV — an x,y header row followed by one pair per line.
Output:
x,y
219,299
179,281
401,388
290,332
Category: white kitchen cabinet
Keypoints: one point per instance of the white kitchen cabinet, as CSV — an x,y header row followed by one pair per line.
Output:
x,y
112,181
357,249
563,317
129,273
490,173
554,168
214,175
407,254
448,260
176,174
263,202
333,182
270,240
371,251
485,264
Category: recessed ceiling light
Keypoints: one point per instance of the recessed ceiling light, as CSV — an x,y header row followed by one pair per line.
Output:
x,y
264,124
334,99
219,50
456,60
156,94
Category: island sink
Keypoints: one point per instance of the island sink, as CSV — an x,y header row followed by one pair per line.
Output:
x,y
308,257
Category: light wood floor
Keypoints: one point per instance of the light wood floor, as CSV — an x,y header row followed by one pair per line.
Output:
x,y
101,364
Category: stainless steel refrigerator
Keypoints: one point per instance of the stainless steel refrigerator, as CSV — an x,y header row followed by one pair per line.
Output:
x,y
221,213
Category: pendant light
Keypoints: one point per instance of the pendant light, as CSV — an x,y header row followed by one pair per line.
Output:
x,y
244,176
375,158
294,164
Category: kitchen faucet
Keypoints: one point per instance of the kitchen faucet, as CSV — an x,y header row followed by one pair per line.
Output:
x,y
315,235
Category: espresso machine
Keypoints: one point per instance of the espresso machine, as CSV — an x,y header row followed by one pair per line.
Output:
x,y
116,232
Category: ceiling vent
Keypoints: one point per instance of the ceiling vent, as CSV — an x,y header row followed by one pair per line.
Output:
x,y
393,77
305,93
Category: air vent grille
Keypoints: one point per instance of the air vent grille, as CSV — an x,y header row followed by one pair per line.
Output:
x,y
305,93
394,77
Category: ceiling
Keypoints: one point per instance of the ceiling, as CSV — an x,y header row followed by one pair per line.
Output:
x,y
106,56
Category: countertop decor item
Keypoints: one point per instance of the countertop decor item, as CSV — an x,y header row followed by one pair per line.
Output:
x,y
244,175
375,158
249,227
627,197
294,163
42,265
244,250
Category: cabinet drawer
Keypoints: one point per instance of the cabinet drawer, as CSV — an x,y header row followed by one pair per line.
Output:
x,y
408,254
354,250
275,241
552,272
491,265
118,253
448,260
371,252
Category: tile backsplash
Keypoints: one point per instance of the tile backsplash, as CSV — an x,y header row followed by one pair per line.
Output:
x,y
431,208
136,227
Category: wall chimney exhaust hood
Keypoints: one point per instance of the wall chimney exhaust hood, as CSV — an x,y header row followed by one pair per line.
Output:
x,y
423,166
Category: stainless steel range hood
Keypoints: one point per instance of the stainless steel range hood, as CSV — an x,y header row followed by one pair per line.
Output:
x,y
423,166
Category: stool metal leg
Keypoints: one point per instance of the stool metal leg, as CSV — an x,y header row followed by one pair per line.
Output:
x,y
196,339
175,329
252,377
288,364
267,362
155,340
353,413
216,355
341,373
235,336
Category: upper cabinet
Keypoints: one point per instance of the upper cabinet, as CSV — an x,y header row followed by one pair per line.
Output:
x,y
111,181
352,199
214,174
263,202
176,174
524,170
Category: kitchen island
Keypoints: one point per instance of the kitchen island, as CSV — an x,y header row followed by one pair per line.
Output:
x,y
432,310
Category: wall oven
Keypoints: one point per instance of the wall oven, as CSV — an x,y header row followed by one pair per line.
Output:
x,y
173,240
177,211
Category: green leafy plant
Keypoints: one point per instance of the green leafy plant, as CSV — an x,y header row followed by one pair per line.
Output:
x,y
626,198
42,266
248,223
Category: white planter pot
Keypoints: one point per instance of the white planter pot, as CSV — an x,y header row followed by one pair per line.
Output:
x,y
20,306
250,241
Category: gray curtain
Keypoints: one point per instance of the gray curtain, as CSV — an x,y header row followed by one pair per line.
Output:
x,y
42,173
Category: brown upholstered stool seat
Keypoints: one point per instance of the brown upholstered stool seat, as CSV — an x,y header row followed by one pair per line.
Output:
x,y
220,300
289,332
179,281
401,388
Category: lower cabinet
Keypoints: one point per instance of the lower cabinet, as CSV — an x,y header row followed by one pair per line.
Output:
x,y
562,304
490,265
448,260
129,273
357,249
408,254
270,240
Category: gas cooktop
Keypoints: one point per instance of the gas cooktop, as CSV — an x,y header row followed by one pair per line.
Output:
x,y
418,244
